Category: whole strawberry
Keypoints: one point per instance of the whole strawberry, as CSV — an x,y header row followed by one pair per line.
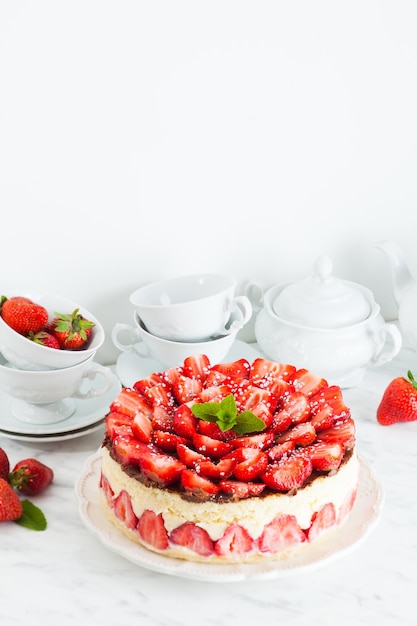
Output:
x,y
23,315
10,506
4,464
73,331
45,338
399,402
30,476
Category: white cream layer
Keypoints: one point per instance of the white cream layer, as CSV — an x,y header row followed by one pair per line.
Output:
x,y
252,513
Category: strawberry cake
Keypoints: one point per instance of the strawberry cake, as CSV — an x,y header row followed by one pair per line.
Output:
x,y
228,463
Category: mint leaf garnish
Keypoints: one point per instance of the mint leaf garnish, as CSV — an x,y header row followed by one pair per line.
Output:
x,y
248,422
225,415
32,517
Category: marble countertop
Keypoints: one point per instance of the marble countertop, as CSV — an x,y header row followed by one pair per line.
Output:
x,y
66,574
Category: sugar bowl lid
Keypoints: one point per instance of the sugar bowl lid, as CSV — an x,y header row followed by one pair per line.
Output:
x,y
322,300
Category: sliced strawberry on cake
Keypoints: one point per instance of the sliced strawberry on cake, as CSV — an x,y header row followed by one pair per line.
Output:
x,y
197,366
163,469
184,421
118,424
186,389
130,402
296,406
198,486
123,510
250,463
322,520
265,373
220,470
343,431
235,540
214,448
194,538
282,533
288,473
152,530
240,489
326,456
309,383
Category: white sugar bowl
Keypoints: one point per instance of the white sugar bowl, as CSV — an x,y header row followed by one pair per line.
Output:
x,y
328,325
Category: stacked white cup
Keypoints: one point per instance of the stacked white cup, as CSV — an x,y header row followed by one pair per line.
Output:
x,y
184,316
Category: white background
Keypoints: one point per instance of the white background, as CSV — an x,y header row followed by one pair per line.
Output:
x,y
140,140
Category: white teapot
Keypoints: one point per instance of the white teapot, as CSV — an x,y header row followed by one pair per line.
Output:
x,y
332,327
405,292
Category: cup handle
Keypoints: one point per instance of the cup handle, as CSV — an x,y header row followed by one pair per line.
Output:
x,y
135,343
242,307
380,337
133,335
91,374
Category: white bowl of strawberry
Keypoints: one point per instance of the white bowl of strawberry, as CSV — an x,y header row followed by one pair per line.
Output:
x,y
43,332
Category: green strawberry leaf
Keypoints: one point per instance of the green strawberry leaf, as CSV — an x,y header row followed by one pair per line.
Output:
x,y
225,415
32,517
411,379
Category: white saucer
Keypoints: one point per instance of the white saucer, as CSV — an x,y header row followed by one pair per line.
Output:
x,y
363,518
72,434
131,367
88,414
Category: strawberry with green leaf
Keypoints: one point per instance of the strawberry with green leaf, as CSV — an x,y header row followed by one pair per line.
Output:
x,y
44,338
73,330
30,476
399,401
12,508
23,315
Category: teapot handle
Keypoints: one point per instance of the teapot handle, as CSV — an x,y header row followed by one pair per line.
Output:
x,y
380,338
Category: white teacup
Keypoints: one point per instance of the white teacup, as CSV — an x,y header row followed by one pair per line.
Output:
x,y
193,308
47,396
169,353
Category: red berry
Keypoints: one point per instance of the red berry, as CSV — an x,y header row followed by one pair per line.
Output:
x,y
23,315
4,464
72,330
30,476
399,402
10,506
44,338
